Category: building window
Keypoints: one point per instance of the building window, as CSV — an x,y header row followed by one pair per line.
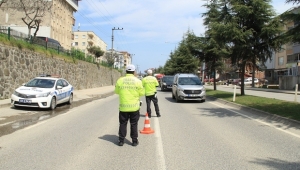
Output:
x,y
76,43
83,36
76,36
280,61
83,43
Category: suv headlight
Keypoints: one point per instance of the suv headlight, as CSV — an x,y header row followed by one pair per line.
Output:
x,y
43,94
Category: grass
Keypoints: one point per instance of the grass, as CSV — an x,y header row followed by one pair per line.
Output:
x,y
33,47
286,109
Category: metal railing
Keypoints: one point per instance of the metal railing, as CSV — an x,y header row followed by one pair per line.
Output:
x,y
73,53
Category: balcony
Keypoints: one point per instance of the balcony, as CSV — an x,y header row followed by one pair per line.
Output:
x,y
90,42
90,34
73,4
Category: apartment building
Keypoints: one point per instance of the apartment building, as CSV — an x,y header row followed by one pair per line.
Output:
x,y
85,39
56,24
127,58
286,62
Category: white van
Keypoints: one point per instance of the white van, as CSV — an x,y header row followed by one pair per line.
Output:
x,y
188,87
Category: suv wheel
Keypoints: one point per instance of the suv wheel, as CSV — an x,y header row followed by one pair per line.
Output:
x,y
177,98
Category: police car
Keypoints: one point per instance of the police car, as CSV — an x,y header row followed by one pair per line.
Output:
x,y
45,91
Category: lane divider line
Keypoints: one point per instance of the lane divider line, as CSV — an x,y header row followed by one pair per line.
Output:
x,y
159,149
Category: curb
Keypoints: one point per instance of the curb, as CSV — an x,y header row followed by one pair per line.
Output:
x,y
93,97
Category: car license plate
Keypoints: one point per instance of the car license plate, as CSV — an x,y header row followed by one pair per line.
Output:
x,y
192,95
24,101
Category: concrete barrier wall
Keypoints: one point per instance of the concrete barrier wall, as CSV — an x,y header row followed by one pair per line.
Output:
x,y
19,66
289,82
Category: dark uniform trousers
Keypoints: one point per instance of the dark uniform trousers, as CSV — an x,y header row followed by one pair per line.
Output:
x,y
155,102
123,119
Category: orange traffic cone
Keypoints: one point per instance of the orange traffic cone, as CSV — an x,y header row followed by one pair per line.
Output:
x,y
147,129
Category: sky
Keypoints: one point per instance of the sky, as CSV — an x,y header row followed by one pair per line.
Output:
x,y
152,29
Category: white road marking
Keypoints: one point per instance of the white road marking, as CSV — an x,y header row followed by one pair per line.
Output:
x,y
257,120
159,149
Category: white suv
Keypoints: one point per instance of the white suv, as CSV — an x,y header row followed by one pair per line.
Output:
x,y
188,87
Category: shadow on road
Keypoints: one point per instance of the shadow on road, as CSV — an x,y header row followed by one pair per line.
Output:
x,y
113,139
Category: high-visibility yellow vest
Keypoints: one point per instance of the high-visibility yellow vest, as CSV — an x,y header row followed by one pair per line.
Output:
x,y
129,89
150,83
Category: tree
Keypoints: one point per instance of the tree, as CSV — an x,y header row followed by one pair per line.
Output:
x,y
293,1
292,15
250,30
96,51
33,12
212,45
110,59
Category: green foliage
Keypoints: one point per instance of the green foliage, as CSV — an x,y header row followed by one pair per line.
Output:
x,y
77,54
96,51
181,60
244,31
90,59
110,60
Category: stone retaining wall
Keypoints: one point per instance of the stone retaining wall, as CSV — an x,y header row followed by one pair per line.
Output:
x,y
19,66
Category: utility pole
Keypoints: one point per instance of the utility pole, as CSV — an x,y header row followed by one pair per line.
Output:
x,y
112,41
112,51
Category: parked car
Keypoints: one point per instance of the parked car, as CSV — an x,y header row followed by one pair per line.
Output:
x,y
188,87
248,81
210,80
43,92
166,83
50,42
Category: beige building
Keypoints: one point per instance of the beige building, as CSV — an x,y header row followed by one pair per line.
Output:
x,y
127,58
84,39
285,62
56,24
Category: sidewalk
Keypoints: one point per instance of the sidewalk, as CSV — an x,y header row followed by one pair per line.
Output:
x,y
79,94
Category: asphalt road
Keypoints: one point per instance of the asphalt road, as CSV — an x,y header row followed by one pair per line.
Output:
x,y
189,135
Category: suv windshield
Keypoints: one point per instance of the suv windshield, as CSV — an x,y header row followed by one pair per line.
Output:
x,y
41,83
189,81
168,79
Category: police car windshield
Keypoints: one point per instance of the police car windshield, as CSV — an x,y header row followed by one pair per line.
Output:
x,y
41,83
189,81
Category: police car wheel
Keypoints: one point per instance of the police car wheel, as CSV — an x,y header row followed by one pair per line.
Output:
x,y
70,99
53,103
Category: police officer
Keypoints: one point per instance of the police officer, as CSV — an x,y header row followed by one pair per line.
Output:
x,y
129,89
150,83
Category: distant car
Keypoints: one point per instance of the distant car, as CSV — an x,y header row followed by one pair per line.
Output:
x,y
52,43
188,87
166,83
248,81
43,92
